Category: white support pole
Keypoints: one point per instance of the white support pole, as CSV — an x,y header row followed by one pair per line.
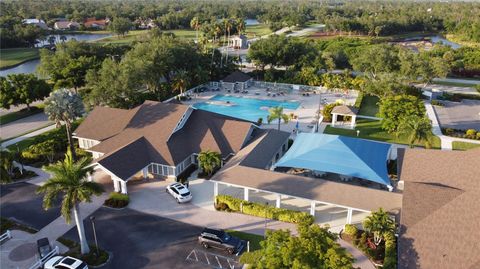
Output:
x,y
145,172
215,189
245,194
89,177
349,216
334,119
279,201
116,185
312,208
354,119
124,187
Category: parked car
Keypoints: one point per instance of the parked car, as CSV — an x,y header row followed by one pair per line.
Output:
x,y
43,247
222,240
180,192
60,262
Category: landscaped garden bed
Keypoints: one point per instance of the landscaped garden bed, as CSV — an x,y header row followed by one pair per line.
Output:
x,y
468,134
94,258
232,204
117,200
7,224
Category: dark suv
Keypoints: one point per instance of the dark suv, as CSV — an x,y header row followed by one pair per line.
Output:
x,y
221,240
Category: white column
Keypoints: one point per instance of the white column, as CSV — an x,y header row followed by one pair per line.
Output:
x,y
245,194
279,201
215,189
116,185
312,208
334,119
354,119
145,172
349,216
124,186
89,177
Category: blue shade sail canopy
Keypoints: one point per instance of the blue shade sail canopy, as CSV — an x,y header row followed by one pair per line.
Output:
x,y
342,155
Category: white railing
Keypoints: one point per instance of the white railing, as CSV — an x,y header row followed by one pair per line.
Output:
x,y
47,257
5,236
286,86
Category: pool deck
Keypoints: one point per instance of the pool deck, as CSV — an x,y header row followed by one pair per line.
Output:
x,y
306,111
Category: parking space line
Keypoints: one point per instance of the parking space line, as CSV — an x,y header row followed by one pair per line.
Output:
x,y
219,264
230,265
206,257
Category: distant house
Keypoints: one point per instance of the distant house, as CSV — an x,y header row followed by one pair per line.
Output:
x,y
36,22
238,42
439,225
237,81
145,24
96,24
66,25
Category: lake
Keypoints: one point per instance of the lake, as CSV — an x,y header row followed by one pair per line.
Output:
x,y
251,22
30,66
78,37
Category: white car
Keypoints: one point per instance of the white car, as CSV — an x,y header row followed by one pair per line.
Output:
x,y
180,192
60,262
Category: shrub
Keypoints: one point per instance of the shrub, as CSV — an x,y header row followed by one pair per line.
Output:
x,y
359,100
261,210
471,133
478,135
259,121
390,261
222,207
436,103
117,200
351,230
251,257
449,131
327,112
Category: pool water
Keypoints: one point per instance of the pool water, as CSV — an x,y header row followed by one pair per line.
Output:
x,y
242,107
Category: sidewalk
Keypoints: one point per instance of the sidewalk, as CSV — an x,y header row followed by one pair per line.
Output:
x,y
25,136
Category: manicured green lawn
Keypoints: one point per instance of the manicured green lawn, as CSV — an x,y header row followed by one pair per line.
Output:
x,y
253,238
257,30
7,118
187,34
370,129
369,106
12,57
128,38
456,145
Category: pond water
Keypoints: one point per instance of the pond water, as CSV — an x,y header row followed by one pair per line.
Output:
x,y
252,22
30,66
78,37
26,67
436,39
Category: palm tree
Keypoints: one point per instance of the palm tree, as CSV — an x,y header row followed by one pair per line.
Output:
x,y
277,113
180,82
228,28
379,223
240,25
69,182
63,38
416,129
209,160
64,106
51,40
195,24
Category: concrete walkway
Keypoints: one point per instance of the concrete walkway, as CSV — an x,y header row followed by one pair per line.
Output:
x,y
446,141
24,125
25,136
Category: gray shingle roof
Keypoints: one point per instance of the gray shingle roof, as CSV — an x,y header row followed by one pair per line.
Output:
x,y
237,76
441,209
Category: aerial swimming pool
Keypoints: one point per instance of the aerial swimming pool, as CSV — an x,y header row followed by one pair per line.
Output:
x,y
243,107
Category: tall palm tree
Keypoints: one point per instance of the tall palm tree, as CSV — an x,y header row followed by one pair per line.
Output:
x,y
209,160
195,24
240,23
181,81
64,106
379,223
277,113
416,129
228,28
69,182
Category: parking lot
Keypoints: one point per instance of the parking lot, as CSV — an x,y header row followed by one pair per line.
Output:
x,y
139,240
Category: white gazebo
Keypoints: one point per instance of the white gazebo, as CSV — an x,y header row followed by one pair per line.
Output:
x,y
344,110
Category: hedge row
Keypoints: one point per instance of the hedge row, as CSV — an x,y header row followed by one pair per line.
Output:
x,y
390,261
358,101
226,202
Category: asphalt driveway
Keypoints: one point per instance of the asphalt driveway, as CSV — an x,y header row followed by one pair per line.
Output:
x,y
19,202
139,240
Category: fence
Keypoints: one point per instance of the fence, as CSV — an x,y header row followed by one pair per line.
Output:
x,y
47,257
5,236
286,86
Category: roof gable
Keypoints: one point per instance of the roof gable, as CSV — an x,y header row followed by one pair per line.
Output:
x,y
237,76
